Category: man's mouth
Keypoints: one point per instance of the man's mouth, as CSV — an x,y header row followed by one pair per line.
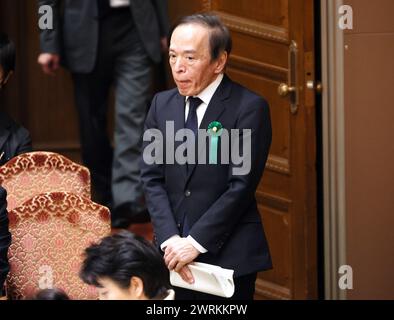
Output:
x,y
183,83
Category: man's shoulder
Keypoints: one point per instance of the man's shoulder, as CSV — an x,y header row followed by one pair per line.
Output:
x,y
167,94
246,93
165,98
246,99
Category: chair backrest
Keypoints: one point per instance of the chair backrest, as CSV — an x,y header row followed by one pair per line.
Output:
x,y
34,173
49,235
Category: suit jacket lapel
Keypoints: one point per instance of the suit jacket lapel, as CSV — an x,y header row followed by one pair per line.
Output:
x,y
215,109
179,124
5,125
217,105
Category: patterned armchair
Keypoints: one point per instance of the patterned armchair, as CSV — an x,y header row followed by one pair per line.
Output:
x,y
50,233
34,173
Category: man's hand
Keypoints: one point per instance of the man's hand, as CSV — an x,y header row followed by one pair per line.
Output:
x,y
49,62
179,253
164,44
186,275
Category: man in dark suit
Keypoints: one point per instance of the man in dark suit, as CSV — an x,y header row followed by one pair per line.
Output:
x,y
5,239
207,212
14,139
104,43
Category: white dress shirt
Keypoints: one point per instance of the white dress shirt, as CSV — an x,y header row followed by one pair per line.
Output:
x,y
206,97
119,3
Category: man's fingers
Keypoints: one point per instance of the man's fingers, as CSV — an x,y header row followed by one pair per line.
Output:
x,y
47,70
166,253
164,44
172,264
179,266
168,261
46,67
186,275
55,63
167,258
49,62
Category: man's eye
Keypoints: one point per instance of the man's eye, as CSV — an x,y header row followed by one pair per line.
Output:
x,y
190,58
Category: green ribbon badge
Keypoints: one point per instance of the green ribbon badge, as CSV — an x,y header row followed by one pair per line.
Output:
x,y
215,129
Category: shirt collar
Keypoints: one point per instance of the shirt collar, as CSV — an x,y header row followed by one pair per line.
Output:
x,y
207,94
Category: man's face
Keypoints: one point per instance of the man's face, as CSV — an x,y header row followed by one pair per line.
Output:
x,y
110,290
190,59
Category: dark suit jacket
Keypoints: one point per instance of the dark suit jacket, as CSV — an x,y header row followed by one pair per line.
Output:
x,y
219,208
76,30
5,238
14,139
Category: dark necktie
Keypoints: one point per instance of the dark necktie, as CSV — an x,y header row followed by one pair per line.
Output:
x,y
192,121
103,8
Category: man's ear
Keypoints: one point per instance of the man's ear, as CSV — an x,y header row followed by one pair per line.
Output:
x,y
8,77
221,62
137,288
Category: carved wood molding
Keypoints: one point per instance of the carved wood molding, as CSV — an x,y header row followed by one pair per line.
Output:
x,y
271,290
254,28
278,164
272,201
265,70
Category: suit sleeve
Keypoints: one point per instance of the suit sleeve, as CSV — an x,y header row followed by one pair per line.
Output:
x,y
50,40
216,224
5,238
156,197
162,15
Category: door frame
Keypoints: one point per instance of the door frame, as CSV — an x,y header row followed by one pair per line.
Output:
x,y
333,147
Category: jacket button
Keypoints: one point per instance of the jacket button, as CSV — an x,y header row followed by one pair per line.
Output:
x,y
179,225
187,193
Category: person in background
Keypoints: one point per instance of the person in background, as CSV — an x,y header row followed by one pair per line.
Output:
x,y
14,139
5,240
104,43
126,267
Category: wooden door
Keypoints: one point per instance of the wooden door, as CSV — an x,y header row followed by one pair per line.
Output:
x,y
273,45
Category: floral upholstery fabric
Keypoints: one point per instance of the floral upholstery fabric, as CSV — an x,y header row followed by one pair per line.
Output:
x,y
49,235
30,174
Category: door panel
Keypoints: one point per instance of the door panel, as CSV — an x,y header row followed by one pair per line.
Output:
x,y
262,32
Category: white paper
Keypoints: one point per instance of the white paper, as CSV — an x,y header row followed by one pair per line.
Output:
x,y
208,278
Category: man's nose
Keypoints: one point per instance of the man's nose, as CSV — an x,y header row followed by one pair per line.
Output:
x,y
179,66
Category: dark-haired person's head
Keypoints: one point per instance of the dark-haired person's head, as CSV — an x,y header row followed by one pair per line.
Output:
x,y
7,59
200,45
51,294
125,267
